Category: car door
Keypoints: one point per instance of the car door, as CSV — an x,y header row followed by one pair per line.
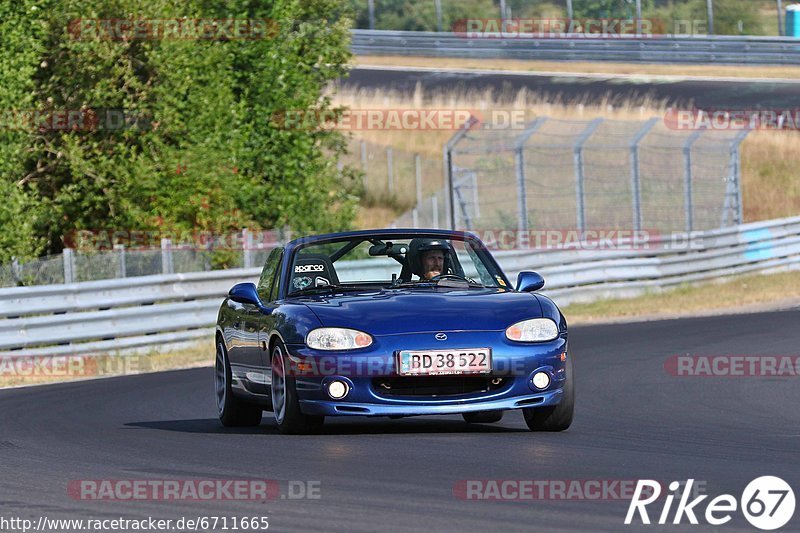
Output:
x,y
248,365
267,322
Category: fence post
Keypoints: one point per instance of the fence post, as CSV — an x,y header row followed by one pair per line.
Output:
x,y
464,213
448,169
372,14
522,201
166,257
16,271
247,248
736,176
710,7
418,175
364,163
390,169
414,218
688,196
577,156
638,18
781,29
69,265
636,183
122,271
439,22
569,10
435,211
519,160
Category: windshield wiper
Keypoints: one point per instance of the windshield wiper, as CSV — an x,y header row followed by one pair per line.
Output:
x,y
426,283
325,288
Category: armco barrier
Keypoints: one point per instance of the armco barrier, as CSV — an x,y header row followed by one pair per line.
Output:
x,y
111,315
655,49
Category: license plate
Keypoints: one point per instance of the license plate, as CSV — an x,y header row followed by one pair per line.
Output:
x,y
444,362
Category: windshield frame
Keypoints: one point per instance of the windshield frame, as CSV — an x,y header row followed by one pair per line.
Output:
x,y
296,246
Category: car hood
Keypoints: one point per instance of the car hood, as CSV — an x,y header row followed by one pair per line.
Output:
x,y
390,312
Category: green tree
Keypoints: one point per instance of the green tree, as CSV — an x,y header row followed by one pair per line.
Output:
x,y
609,8
202,152
731,17
22,38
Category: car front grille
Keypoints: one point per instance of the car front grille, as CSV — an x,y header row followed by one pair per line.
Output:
x,y
436,386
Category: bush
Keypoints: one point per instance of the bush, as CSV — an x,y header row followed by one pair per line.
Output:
x,y
202,153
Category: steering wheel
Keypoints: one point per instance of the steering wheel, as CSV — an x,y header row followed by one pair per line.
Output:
x,y
449,276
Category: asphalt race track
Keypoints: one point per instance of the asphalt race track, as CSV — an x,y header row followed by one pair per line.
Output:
x,y
705,94
633,421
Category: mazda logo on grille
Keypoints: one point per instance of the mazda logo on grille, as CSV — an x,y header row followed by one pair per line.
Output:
x,y
440,337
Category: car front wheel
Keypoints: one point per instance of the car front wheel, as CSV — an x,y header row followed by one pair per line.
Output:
x,y
285,404
232,411
555,417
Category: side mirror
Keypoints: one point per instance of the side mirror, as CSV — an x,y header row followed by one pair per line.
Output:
x,y
245,293
529,281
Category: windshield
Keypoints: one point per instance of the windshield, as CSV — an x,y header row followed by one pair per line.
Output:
x,y
393,262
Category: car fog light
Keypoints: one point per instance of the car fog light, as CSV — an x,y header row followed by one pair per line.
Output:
x,y
338,389
541,380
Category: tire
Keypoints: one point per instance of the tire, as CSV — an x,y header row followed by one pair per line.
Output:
x,y
232,411
285,404
483,417
555,417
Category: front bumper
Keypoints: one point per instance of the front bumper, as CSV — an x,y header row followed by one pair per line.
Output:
x,y
513,363
342,408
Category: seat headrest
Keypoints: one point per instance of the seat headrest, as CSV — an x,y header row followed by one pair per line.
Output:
x,y
312,270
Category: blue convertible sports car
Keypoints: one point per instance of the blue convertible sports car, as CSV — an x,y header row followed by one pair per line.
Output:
x,y
390,323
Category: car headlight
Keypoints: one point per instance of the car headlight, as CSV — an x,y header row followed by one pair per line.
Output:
x,y
533,330
337,339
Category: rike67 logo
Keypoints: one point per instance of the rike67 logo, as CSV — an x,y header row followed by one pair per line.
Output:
x,y
767,503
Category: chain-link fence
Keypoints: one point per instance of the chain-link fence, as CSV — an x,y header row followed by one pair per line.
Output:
x,y
443,15
587,175
246,250
550,175
394,176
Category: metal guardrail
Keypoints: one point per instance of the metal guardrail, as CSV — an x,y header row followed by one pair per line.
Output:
x,y
656,49
111,315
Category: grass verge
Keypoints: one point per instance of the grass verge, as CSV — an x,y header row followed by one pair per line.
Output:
x,y
40,370
751,293
577,67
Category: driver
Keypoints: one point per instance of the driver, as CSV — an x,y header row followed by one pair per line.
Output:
x,y
429,257
432,263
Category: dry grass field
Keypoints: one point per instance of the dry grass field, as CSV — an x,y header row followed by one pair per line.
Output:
x,y
573,67
770,159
